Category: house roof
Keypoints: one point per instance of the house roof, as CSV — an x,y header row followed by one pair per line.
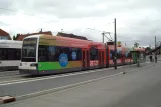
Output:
x,y
71,36
4,33
22,36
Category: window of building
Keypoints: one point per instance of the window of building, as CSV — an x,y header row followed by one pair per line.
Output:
x,y
3,37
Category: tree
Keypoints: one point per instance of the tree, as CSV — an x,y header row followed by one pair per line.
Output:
x,y
14,38
17,36
136,44
148,49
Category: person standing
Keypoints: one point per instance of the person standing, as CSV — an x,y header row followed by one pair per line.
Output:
x,y
155,58
150,57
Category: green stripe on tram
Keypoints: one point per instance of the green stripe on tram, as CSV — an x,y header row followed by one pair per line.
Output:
x,y
56,65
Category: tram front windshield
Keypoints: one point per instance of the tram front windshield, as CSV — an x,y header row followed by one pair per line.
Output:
x,y
29,50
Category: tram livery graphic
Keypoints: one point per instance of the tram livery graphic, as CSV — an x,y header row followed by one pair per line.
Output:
x,y
47,54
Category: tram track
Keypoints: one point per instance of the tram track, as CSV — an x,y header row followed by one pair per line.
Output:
x,y
19,78
28,85
8,73
23,78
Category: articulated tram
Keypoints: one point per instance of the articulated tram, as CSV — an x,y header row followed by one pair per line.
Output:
x,y
10,54
47,54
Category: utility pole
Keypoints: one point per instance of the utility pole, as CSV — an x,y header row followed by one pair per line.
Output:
x,y
61,30
41,30
115,36
155,42
103,35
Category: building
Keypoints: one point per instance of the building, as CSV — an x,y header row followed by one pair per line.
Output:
x,y
20,37
4,35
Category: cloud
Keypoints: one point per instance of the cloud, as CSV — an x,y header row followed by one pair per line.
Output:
x,y
136,19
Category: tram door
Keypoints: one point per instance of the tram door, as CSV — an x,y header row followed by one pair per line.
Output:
x,y
85,59
100,58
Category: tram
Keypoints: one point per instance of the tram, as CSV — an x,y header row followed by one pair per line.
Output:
x,y
10,54
47,54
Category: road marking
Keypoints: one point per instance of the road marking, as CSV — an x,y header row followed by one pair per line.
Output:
x,y
52,77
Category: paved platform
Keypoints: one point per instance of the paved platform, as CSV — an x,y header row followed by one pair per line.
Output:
x,y
139,88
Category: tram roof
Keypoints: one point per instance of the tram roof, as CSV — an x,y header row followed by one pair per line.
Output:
x,y
10,41
44,36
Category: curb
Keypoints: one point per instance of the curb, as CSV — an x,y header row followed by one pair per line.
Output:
x,y
7,99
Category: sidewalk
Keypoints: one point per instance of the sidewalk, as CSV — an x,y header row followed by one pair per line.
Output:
x,y
104,93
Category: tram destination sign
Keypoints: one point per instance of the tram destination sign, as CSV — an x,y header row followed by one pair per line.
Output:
x,y
27,42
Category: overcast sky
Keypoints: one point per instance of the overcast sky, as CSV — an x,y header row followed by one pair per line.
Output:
x,y
137,20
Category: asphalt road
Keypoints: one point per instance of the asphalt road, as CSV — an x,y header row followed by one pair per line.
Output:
x,y
140,88
32,85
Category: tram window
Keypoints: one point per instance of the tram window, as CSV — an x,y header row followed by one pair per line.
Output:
x,y
93,54
51,53
126,54
58,50
75,54
129,55
111,54
17,54
42,53
10,54
79,54
3,54
119,54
